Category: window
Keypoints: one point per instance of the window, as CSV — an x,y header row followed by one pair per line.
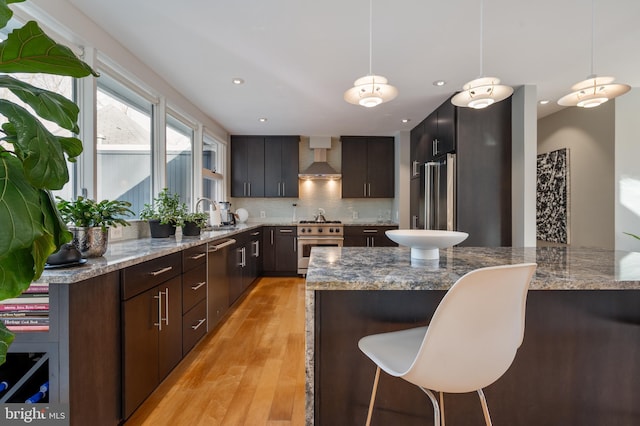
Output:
x,y
212,169
179,159
124,144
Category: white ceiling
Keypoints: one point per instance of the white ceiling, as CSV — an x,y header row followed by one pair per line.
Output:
x,y
297,57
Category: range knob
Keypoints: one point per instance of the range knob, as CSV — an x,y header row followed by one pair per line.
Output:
x,y
319,229
330,229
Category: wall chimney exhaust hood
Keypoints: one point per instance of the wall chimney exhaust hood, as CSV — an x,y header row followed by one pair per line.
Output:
x,y
319,169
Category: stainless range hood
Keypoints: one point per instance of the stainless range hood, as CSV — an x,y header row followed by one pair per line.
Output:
x,y
319,169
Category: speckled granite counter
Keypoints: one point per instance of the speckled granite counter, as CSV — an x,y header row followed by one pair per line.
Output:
x,y
572,333
127,253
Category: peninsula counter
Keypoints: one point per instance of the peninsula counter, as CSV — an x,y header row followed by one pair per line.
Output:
x,y
578,363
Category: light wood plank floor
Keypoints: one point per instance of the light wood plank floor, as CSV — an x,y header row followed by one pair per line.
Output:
x,y
248,371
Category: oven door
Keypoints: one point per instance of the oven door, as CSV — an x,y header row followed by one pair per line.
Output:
x,y
305,244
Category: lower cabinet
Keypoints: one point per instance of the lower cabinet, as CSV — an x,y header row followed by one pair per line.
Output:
x,y
194,296
280,250
244,263
367,236
152,326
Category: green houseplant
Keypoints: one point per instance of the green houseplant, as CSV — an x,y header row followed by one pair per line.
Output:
x,y
89,222
163,214
192,223
32,159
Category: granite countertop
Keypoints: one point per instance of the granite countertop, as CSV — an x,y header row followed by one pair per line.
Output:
x,y
131,252
391,268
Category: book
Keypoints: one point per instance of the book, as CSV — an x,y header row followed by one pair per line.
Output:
x,y
42,288
16,314
23,307
26,321
28,327
27,299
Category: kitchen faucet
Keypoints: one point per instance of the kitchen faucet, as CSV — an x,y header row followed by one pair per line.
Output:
x,y
212,208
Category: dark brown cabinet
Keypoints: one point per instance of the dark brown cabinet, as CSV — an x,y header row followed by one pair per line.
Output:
x,y
218,280
280,250
281,166
264,166
368,164
440,131
244,263
367,236
152,326
247,166
194,295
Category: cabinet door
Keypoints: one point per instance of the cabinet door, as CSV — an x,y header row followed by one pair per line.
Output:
x,y
281,166
170,335
431,135
268,249
419,149
247,166
354,237
446,128
140,355
354,167
286,250
235,271
217,283
380,167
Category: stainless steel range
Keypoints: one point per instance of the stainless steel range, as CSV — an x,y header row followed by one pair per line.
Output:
x,y
311,234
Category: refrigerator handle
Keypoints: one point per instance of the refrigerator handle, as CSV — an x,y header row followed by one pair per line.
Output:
x,y
428,198
451,192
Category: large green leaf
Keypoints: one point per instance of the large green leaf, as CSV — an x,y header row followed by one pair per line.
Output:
x,y
6,337
41,152
17,270
6,14
29,49
48,105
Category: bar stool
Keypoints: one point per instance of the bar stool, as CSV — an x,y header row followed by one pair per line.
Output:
x,y
471,341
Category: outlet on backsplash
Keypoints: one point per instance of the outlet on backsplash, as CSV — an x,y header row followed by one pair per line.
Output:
x,y
354,215
263,214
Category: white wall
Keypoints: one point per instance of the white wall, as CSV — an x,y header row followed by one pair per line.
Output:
x,y
627,171
589,136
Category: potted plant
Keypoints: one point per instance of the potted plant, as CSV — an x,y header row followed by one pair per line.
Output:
x,y
163,214
192,223
90,221
33,161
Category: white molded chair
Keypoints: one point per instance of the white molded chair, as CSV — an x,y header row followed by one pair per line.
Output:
x,y
470,342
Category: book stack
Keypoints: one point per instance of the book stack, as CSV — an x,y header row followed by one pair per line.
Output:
x,y
29,311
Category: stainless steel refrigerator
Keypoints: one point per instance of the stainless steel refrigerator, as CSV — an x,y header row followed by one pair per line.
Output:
x,y
438,194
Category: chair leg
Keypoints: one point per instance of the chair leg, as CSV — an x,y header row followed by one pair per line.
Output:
x,y
373,395
436,409
442,409
485,408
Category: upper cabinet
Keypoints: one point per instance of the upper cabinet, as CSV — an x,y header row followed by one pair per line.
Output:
x,y
247,166
264,166
368,167
281,166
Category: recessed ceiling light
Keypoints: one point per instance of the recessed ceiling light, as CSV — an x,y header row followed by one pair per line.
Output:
x,y
238,81
406,120
262,119
544,102
439,83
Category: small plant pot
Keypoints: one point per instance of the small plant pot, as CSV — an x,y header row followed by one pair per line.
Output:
x,y
161,230
90,241
190,229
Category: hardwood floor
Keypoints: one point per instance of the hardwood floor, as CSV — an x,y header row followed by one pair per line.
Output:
x,y
248,371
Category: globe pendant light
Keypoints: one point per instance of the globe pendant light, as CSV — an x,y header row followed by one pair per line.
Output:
x,y
483,91
370,90
594,91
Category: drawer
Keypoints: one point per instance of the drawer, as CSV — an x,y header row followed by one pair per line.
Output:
x,y
194,256
139,278
194,326
194,287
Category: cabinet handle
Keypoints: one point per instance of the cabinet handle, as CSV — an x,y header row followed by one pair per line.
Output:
x,y
283,189
161,271
434,149
197,286
243,259
272,237
370,231
256,246
249,186
159,323
279,194
373,242
364,187
253,234
295,244
368,190
198,256
244,188
285,231
200,322
416,166
414,221
166,305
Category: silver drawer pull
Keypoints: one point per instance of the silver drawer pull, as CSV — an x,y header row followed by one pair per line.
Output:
x,y
198,256
286,231
370,231
197,286
255,233
222,245
161,271
200,322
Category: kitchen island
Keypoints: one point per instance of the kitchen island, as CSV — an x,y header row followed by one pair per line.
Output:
x,y
578,363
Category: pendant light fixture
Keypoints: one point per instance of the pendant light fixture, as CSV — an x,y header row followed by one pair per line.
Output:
x,y
370,90
594,91
483,91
